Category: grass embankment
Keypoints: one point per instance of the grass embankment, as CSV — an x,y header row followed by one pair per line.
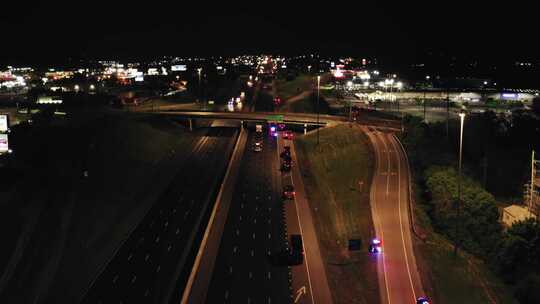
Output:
x,y
460,280
449,279
85,219
333,172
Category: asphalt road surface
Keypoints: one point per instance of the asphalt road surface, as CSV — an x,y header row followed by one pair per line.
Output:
x,y
398,276
153,264
255,229
309,281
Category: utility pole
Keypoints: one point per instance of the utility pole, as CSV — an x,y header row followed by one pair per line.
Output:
x,y
318,98
424,104
533,177
447,111
485,170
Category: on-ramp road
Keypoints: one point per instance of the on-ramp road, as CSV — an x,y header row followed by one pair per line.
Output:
x,y
398,276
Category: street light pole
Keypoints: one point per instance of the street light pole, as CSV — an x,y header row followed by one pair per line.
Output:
x,y
458,205
424,104
318,98
425,89
199,70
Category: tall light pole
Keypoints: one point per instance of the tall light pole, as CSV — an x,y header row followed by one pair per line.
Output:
x,y
199,70
425,88
458,204
318,98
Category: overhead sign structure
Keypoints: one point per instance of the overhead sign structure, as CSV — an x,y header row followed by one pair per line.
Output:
x,y
4,145
4,127
277,118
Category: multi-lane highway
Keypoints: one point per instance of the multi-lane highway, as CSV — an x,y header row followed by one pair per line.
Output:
x,y
153,263
399,280
254,229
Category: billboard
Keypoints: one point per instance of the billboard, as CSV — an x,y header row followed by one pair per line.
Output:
x,y
3,123
179,67
4,147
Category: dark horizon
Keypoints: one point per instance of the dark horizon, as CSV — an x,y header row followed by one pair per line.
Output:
x,y
45,33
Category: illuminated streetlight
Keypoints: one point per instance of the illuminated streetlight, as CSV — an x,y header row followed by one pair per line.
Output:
x,y
199,70
462,119
92,87
77,87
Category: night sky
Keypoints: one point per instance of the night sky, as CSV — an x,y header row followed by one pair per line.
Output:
x,y
46,32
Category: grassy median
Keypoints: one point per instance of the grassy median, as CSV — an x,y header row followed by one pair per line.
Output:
x,y
337,176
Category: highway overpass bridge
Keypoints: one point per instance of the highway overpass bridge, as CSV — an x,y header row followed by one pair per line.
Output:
x,y
300,119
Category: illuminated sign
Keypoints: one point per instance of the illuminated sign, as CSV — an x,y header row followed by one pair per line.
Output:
x,y
179,67
48,100
139,78
3,123
4,146
509,95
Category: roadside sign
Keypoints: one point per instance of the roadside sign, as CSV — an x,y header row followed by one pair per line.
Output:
x,y
4,146
277,118
4,127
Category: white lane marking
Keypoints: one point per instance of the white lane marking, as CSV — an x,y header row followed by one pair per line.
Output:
x,y
269,275
388,158
169,248
401,223
373,195
177,230
115,279
158,268
299,293
157,239
130,256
